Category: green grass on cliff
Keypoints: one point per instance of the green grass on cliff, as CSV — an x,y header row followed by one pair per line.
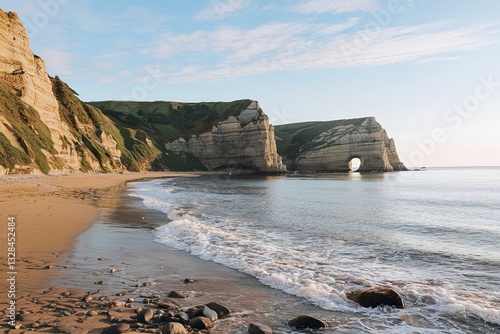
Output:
x,y
292,139
164,122
87,123
171,120
32,134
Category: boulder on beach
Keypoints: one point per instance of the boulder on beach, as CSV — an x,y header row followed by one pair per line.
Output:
x,y
305,321
201,323
375,296
221,310
174,328
176,294
257,328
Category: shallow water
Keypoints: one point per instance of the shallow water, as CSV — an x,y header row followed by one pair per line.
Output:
x,y
431,235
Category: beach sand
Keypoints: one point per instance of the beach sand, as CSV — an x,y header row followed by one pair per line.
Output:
x,y
49,212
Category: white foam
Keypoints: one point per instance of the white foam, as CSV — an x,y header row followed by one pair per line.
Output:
x,y
299,265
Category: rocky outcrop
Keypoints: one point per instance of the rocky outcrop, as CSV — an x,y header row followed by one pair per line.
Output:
x,y
375,296
243,141
330,146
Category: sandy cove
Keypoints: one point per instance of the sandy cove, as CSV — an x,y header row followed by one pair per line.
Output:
x,y
49,211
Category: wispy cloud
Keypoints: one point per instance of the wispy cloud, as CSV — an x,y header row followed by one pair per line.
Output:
x,y
229,52
221,9
335,6
60,63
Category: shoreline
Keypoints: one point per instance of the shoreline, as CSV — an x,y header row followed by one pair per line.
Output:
x,y
50,212
52,276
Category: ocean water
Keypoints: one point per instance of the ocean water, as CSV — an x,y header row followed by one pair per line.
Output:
x,y
434,236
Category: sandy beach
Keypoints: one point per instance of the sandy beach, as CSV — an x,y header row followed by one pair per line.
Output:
x,y
49,212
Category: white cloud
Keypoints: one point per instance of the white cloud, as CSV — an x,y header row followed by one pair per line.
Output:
x,y
229,52
221,9
335,6
436,59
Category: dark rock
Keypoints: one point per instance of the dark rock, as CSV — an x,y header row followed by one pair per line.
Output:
x,y
194,312
165,305
221,310
375,296
145,316
116,329
305,321
100,283
256,328
189,280
183,317
173,328
175,294
201,323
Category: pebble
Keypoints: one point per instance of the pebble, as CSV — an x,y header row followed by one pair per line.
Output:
x,y
174,328
117,329
189,280
92,313
145,315
102,259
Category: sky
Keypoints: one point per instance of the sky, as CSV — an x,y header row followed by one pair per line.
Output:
x,y
427,70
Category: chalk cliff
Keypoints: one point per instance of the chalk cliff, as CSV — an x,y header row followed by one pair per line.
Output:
x,y
330,146
242,141
44,127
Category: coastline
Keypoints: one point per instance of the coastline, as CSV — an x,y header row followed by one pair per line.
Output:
x,y
50,212
55,275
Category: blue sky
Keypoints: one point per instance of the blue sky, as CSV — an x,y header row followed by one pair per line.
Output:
x,y
427,70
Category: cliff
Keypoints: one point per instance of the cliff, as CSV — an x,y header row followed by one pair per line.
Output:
x,y
44,127
203,136
330,146
242,141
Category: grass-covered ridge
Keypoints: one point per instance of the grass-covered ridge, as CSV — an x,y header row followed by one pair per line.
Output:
x,y
87,123
293,139
168,121
31,133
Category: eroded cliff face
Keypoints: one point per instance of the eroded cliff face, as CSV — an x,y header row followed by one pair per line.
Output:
x,y
243,141
25,73
44,126
330,146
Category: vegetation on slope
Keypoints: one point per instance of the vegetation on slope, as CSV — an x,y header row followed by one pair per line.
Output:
x,y
164,122
293,139
31,133
171,120
87,123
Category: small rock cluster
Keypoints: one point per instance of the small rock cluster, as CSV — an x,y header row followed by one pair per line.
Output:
x,y
66,311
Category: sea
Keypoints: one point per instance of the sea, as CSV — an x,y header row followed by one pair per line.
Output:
x,y
307,239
